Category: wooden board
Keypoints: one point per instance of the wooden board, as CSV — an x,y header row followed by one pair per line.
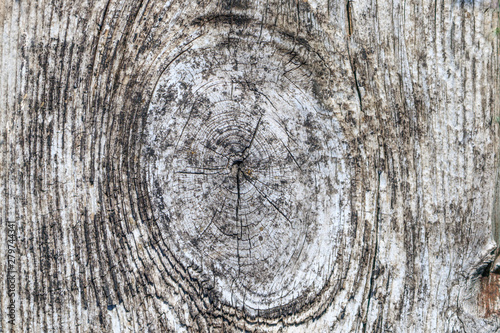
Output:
x,y
236,165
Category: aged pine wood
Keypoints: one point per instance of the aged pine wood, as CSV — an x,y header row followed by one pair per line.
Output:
x,y
262,166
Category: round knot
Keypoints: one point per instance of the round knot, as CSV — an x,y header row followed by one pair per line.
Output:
x,y
246,172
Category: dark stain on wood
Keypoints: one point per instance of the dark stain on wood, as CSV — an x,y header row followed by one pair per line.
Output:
x,y
489,295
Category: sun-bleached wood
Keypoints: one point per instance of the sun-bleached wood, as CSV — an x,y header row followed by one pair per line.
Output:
x,y
232,165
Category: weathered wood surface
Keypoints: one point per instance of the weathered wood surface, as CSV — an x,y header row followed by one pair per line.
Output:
x,y
279,165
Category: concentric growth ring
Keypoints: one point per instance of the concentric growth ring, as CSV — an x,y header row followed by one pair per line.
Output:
x,y
246,173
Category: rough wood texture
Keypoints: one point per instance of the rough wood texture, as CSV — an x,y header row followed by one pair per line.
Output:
x,y
232,165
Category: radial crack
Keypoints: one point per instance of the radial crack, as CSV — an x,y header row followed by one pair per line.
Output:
x,y
213,219
269,200
251,140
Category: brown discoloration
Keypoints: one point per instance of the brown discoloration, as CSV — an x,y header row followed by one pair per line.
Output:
x,y
489,295
350,21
